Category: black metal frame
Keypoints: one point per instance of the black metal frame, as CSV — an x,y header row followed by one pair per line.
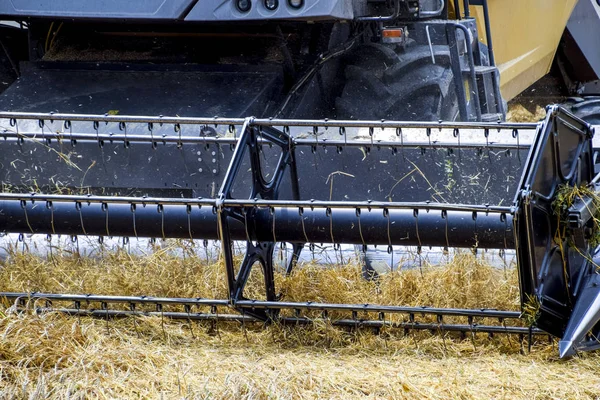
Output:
x,y
260,251
262,220
361,315
557,263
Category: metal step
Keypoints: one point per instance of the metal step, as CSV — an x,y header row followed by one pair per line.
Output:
x,y
487,86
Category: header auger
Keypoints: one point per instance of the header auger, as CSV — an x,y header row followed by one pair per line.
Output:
x,y
267,181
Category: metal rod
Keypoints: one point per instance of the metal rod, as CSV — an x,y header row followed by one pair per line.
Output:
x,y
473,84
254,203
266,121
88,298
394,124
382,18
457,9
466,6
121,118
379,205
92,199
278,305
488,32
434,13
185,139
292,321
484,313
409,227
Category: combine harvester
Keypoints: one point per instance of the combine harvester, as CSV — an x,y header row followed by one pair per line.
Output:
x,y
296,179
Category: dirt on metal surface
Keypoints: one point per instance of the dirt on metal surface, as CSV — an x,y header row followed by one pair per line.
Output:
x,y
58,357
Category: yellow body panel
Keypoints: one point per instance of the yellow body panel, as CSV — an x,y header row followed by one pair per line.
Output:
x,y
525,34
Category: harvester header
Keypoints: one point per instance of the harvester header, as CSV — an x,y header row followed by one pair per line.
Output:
x,y
268,182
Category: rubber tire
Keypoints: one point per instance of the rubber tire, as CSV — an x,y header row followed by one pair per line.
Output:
x,y
588,108
381,84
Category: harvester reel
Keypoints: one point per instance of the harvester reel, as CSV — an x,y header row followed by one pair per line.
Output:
x,y
295,200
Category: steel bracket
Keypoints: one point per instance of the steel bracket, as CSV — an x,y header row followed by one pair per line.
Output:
x,y
257,252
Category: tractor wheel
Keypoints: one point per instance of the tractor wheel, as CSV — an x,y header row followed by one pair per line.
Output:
x,y
587,108
382,84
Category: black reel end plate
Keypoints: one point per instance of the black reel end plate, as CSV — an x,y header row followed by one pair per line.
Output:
x,y
556,272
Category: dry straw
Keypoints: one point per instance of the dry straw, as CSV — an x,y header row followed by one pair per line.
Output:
x,y
55,356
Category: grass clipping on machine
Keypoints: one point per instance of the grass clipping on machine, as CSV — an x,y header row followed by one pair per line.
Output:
x,y
51,355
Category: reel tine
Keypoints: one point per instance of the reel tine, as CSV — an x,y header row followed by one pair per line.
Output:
x,y
104,207
132,208
515,135
160,210
188,309
456,134
447,248
476,245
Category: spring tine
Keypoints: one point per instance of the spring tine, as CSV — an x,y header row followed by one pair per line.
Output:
x,y
188,209
123,127
13,122
456,134
272,211
24,207
529,339
301,214
364,244
75,240
416,215
215,310
104,307
132,208
41,125
475,247
177,129
160,210
151,129
420,246
390,249
188,310
336,246
96,126
486,134
432,150
135,327
205,245
503,251
104,208
445,218
78,208
471,325
77,305
49,239
50,207
515,135
68,125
